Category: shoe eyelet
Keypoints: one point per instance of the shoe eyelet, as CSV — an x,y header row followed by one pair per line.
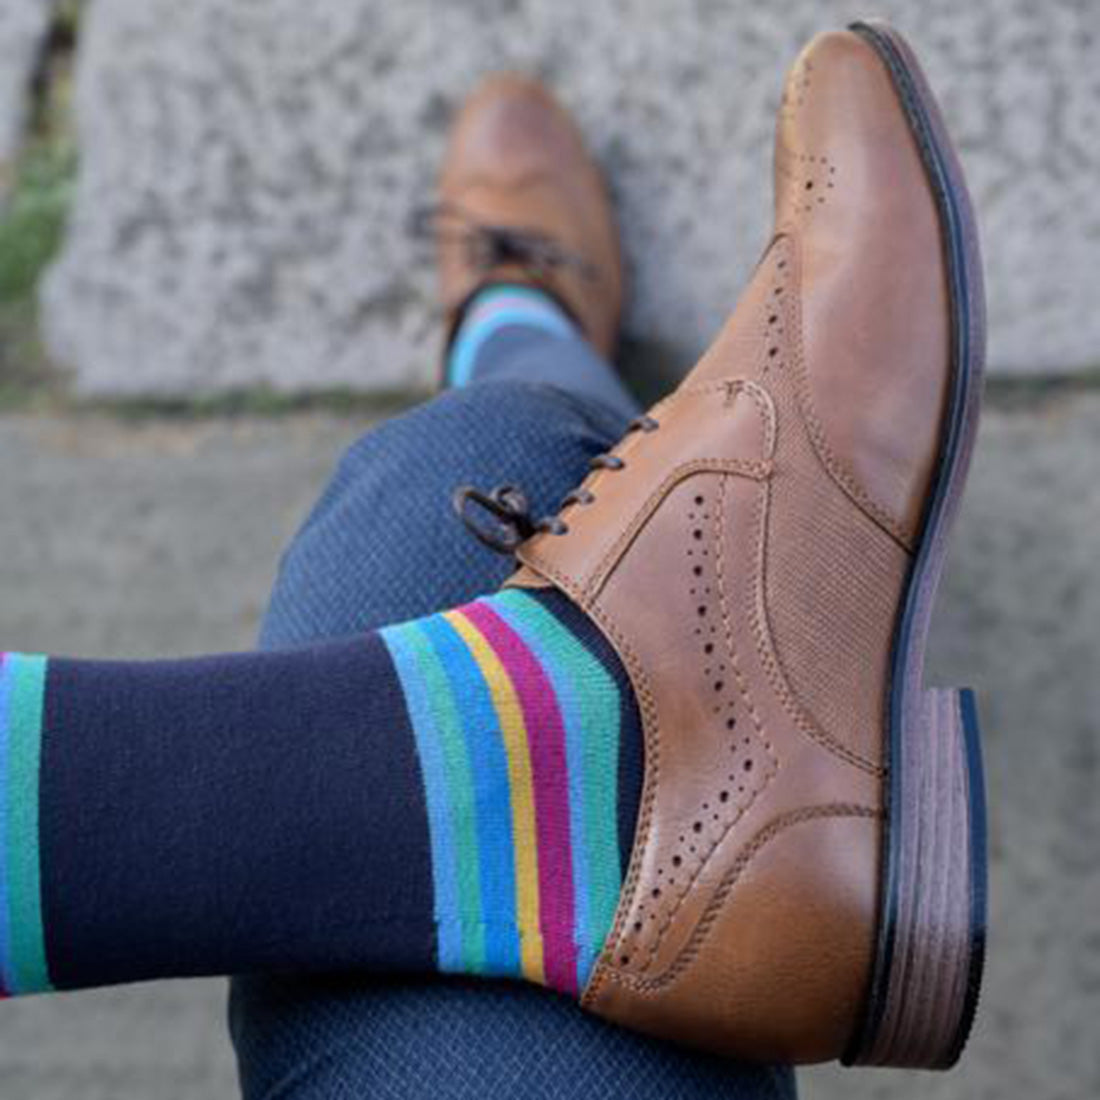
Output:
x,y
607,462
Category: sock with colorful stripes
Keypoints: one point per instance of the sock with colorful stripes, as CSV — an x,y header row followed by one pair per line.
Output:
x,y
453,794
492,315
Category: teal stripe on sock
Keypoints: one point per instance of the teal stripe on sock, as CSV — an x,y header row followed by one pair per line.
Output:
x,y
446,908
591,706
458,775
7,665
26,956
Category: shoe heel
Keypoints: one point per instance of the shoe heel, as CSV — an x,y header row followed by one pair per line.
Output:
x,y
931,938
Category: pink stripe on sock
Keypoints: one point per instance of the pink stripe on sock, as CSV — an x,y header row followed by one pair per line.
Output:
x,y
546,742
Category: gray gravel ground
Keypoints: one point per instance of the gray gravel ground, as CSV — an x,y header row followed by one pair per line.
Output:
x,y
161,538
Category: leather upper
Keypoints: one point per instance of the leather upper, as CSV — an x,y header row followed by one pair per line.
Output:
x,y
515,159
747,563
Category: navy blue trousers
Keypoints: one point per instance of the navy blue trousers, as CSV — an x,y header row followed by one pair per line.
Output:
x,y
382,545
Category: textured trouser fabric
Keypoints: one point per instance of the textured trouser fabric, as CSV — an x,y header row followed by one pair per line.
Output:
x,y
382,545
566,363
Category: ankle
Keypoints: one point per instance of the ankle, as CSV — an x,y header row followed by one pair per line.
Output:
x,y
489,311
530,749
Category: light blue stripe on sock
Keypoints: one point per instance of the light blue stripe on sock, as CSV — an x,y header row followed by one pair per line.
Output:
x,y
446,907
489,764
496,309
7,674
589,702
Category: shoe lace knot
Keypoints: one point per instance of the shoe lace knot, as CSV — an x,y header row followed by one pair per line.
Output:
x,y
501,518
488,247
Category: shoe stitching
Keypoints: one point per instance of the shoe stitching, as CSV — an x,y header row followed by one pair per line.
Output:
x,y
754,588
773,766
754,469
883,518
790,234
621,938
815,428
765,649
702,929
758,469
778,682
586,594
628,898
756,609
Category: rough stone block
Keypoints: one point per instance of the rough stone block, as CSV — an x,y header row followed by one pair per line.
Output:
x,y
22,26
248,167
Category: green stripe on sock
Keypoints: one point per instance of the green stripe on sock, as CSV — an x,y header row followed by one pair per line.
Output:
x,y
28,942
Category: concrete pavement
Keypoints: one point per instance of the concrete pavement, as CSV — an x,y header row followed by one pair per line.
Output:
x,y
161,537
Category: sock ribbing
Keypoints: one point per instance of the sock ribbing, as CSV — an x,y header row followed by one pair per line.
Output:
x,y
453,793
23,966
520,723
496,308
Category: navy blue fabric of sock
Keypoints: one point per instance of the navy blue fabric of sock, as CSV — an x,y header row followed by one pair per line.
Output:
x,y
259,812
249,813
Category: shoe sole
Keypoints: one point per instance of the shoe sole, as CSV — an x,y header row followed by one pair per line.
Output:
x,y
930,943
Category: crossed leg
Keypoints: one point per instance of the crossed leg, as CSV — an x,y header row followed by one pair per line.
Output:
x,y
381,546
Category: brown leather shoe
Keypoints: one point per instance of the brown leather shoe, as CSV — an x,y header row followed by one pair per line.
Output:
x,y
807,880
521,200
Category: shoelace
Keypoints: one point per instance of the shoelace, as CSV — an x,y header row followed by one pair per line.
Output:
x,y
491,246
510,522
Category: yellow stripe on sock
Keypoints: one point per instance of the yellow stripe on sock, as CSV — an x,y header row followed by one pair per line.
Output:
x,y
514,731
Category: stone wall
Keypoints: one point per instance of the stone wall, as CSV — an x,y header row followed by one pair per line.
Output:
x,y
248,167
22,26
